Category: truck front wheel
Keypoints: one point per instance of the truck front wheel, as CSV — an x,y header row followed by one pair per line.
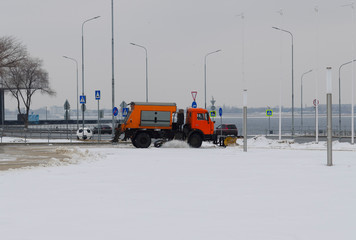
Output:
x,y
195,140
142,140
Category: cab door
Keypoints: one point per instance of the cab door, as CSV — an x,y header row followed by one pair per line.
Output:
x,y
204,123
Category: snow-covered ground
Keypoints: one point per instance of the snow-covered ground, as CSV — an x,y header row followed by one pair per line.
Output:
x,y
276,190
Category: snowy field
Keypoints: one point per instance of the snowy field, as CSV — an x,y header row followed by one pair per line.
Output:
x,y
275,191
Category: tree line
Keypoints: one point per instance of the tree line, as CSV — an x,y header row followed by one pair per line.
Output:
x,y
22,75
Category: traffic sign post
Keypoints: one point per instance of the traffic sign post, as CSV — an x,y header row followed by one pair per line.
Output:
x,y
82,99
97,97
315,102
212,114
125,111
269,114
194,95
115,111
220,114
123,104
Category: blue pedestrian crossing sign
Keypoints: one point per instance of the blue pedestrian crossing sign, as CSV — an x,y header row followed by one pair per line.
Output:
x,y
115,111
269,112
125,111
97,94
82,99
212,114
194,104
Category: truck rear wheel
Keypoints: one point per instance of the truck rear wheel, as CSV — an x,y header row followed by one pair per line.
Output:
x,y
195,140
142,140
133,140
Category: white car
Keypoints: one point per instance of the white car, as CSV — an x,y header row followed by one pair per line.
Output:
x,y
87,134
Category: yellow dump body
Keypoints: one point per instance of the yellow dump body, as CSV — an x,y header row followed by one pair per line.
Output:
x,y
149,116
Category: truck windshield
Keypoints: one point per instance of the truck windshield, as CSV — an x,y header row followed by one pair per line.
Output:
x,y
202,116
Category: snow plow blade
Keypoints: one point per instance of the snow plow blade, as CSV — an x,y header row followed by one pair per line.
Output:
x,y
230,141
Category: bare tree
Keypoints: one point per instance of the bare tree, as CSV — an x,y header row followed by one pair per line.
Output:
x,y
25,79
11,52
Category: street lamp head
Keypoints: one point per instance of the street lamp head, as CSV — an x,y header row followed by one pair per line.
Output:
x,y
96,17
276,28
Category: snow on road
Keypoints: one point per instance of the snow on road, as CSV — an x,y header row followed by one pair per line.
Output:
x,y
176,192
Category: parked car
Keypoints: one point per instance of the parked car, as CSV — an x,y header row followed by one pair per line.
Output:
x,y
103,129
84,135
226,129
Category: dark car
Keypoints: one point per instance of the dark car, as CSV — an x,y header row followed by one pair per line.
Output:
x,y
226,129
103,129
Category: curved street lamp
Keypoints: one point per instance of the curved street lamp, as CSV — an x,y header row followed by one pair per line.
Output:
x,y
83,105
352,5
205,72
340,93
76,64
301,100
134,44
292,38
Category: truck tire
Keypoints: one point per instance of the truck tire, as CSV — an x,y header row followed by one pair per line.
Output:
x,y
133,141
195,140
142,140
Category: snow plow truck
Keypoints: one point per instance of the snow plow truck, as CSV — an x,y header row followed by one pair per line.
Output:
x,y
161,121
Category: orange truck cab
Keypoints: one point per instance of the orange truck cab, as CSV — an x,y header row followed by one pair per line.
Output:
x,y
162,121
198,126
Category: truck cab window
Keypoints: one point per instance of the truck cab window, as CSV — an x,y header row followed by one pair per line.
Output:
x,y
200,116
207,116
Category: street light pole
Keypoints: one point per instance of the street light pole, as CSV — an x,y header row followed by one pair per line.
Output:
x,y
301,100
146,68
340,94
205,73
292,37
352,5
76,64
329,115
83,106
112,69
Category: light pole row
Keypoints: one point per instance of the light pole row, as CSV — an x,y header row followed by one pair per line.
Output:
x,y
205,73
292,38
76,64
301,100
134,44
83,105
340,94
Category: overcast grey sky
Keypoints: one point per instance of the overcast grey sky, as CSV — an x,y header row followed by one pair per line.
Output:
x,y
178,34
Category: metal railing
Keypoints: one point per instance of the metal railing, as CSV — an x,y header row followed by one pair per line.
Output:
x,y
46,133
